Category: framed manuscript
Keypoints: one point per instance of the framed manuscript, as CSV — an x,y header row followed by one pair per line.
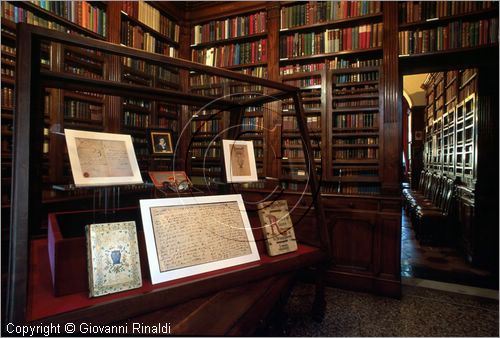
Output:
x,y
192,235
239,160
100,159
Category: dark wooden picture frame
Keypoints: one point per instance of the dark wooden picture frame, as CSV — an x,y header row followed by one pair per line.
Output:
x,y
159,148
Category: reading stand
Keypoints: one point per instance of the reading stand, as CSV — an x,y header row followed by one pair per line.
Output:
x,y
30,296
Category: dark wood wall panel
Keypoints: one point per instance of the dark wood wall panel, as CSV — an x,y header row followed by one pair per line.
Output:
x,y
391,127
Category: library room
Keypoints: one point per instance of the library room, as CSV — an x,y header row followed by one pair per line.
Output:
x,y
249,168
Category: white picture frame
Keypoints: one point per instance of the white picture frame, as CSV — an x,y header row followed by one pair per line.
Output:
x,y
101,159
169,223
239,161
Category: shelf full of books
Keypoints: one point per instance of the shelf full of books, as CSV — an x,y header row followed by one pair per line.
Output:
x,y
330,41
421,12
205,146
245,54
324,12
238,42
293,161
454,35
234,28
145,27
83,17
430,27
450,139
354,109
148,20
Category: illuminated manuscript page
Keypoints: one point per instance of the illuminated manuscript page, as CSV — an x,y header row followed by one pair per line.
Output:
x,y
187,235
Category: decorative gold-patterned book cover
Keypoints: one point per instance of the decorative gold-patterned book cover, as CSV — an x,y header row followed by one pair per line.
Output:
x,y
277,227
113,258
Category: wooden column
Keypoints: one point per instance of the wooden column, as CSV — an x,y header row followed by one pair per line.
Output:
x,y
184,113
27,175
56,117
272,115
390,119
486,167
112,69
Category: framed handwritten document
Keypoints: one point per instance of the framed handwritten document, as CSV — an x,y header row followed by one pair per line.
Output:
x,y
191,235
100,159
239,160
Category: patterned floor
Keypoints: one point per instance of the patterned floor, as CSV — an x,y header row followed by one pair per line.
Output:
x,y
439,263
419,312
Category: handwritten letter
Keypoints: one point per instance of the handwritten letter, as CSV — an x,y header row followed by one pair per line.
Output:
x,y
100,158
188,235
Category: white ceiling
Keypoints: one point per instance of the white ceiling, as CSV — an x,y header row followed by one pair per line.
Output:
x,y
412,89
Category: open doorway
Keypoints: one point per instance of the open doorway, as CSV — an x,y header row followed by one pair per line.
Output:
x,y
439,141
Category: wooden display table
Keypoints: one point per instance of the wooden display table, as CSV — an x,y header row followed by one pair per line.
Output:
x,y
257,283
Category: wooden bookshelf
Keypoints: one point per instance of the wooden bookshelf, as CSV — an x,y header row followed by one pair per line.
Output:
x,y
420,14
293,159
355,153
382,173
434,27
50,14
238,42
86,110
450,140
311,15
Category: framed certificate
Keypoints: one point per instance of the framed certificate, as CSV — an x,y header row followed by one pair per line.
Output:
x,y
192,235
239,160
101,159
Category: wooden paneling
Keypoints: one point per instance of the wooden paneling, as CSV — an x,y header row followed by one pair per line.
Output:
x,y
353,240
222,10
391,88
389,246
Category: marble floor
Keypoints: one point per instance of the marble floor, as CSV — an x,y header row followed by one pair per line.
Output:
x,y
419,312
443,264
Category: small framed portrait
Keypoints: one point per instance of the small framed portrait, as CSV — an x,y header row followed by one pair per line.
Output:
x,y
161,142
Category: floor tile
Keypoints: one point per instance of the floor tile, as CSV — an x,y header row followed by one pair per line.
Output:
x,y
420,312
